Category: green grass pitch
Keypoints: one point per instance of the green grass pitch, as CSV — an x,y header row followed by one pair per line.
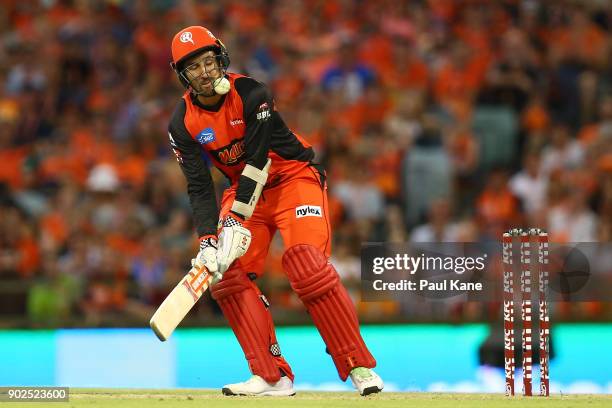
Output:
x,y
125,398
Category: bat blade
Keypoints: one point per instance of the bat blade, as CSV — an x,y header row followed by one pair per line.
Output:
x,y
179,302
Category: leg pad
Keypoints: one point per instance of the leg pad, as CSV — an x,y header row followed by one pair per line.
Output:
x,y
246,311
318,285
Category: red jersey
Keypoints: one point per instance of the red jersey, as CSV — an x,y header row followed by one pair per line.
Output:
x,y
241,128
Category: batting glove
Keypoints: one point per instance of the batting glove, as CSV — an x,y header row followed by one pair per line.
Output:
x,y
234,241
207,257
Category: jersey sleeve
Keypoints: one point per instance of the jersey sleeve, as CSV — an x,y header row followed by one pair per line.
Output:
x,y
258,107
200,186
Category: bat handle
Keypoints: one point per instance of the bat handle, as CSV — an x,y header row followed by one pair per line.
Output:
x,y
217,276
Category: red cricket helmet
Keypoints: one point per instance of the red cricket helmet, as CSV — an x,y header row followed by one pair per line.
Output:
x,y
191,41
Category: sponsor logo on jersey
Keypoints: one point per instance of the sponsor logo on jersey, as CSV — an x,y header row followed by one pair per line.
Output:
x,y
235,122
206,136
230,154
308,211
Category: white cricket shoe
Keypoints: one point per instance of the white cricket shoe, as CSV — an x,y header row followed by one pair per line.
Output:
x,y
366,381
258,386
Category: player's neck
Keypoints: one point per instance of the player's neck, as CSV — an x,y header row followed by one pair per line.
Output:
x,y
209,100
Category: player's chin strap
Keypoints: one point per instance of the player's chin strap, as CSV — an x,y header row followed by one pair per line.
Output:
x,y
260,177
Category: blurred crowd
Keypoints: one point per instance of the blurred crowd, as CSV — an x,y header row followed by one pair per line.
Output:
x,y
437,120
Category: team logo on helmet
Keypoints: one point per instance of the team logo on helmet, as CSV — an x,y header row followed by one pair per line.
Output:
x,y
186,37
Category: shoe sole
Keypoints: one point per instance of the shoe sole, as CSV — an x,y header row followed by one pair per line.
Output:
x,y
371,390
229,392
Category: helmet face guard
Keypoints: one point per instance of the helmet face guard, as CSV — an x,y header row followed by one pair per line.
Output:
x,y
192,41
221,58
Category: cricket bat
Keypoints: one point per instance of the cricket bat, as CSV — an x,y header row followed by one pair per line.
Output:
x,y
179,302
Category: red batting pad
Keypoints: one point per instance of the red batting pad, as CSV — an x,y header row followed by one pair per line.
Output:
x,y
318,285
239,299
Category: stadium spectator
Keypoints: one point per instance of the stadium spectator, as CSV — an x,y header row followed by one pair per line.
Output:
x,y
389,93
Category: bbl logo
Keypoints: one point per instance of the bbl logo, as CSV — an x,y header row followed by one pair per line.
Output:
x,y
263,112
206,136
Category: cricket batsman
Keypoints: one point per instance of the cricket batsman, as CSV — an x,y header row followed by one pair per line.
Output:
x,y
274,186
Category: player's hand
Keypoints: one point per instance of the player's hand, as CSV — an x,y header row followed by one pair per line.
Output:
x,y
207,257
234,241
